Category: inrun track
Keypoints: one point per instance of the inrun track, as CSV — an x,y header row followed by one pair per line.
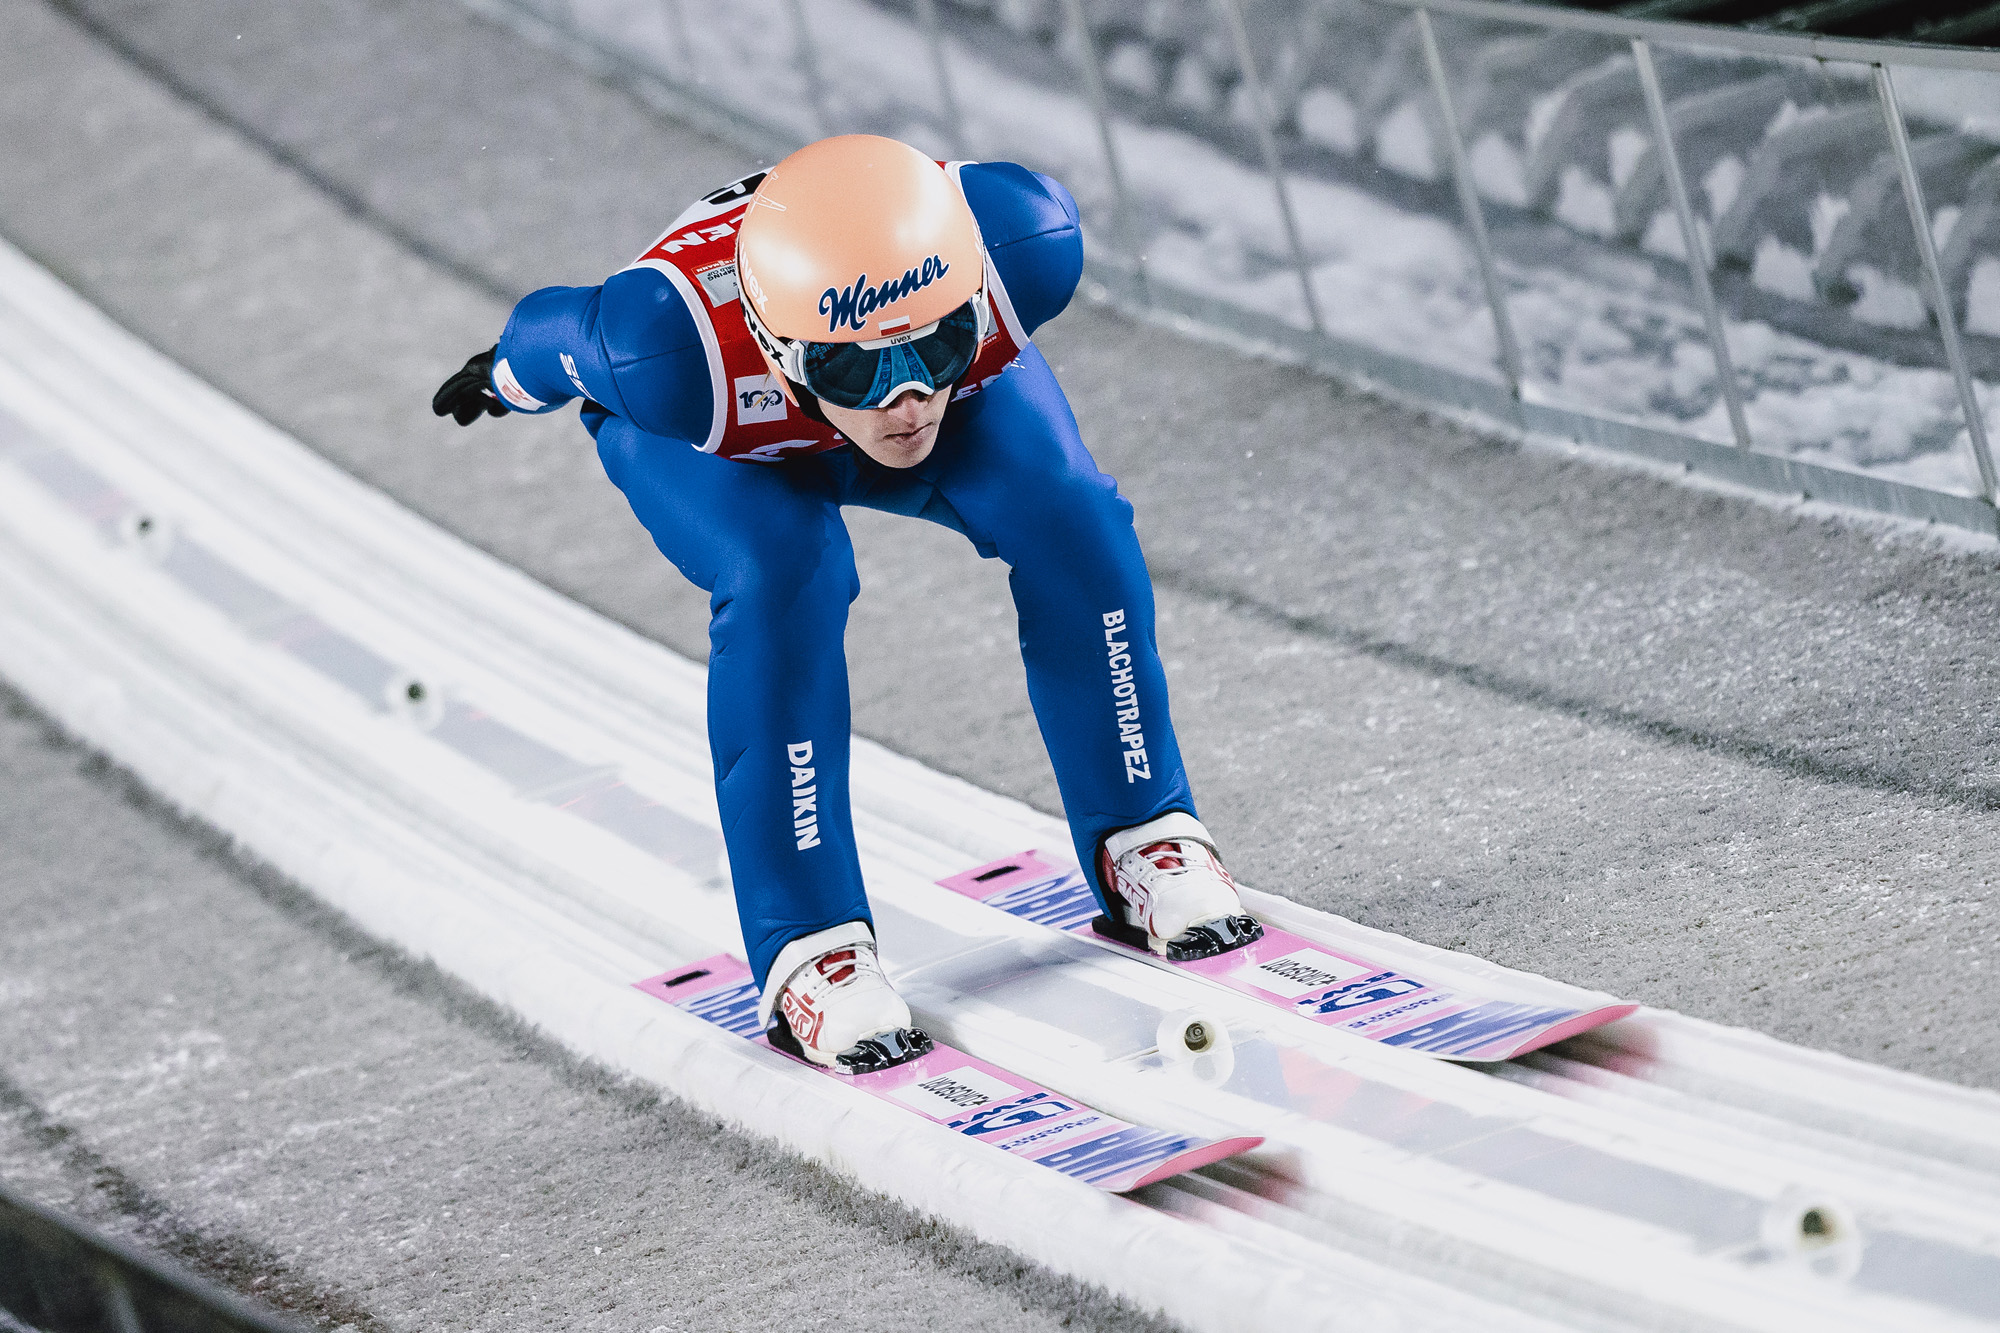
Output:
x,y
1724,759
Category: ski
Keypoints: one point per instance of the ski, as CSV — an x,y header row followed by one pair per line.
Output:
x,y
968,1095
1333,985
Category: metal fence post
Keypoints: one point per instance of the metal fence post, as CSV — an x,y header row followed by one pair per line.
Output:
x,y
1264,114
675,23
1093,83
1468,202
118,1301
808,57
1691,240
947,94
1947,318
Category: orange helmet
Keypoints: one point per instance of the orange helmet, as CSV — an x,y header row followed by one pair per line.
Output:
x,y
862,270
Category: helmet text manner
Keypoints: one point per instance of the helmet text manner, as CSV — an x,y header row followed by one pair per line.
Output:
x,y
853,304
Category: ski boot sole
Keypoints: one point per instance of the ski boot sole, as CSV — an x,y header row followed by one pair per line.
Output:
x,y
1225,934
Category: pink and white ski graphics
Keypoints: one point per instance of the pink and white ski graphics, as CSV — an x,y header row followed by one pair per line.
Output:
x,y
1331,985
963,1093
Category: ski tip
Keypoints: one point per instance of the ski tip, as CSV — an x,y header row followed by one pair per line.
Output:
x,y
1219,1150
1588,1021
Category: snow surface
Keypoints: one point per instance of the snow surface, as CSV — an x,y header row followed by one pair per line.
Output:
x,y
1613,337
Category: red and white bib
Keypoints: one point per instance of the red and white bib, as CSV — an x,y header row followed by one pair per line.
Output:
x,y
753,420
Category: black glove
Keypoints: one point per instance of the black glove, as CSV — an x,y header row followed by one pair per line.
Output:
x,y
470,391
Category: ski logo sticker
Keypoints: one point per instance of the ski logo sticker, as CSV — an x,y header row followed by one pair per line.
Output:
x,y
718,283
1035,1109
949,1095
1059,901
1300,973
758,398
1372,990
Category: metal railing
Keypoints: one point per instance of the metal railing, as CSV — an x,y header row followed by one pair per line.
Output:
x,y
1125,273
1641,33
59,1277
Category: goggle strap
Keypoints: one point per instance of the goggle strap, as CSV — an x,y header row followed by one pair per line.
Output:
x,y
790,356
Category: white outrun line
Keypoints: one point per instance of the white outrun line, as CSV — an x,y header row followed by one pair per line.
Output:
x,y
243,625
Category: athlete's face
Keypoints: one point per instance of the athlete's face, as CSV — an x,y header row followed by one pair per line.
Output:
x,y
899,435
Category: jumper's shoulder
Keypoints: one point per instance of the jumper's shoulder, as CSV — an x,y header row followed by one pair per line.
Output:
x,y
1014,204
654,349
645,314
1030,225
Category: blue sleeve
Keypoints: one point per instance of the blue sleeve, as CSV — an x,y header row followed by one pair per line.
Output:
x,y
630,344
1030,227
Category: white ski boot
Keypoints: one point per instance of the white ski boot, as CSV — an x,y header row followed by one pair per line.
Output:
x,y
1178,900
835,1006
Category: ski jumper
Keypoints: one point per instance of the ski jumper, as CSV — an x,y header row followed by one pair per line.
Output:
x,y
751,514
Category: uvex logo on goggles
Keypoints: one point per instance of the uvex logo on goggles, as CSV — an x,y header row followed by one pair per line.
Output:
x,y
853,304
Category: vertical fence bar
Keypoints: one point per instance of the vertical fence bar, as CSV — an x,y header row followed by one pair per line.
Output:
x,y
1947,318
1468,202
927,14
118,1302
808,54
1691,240
1093,84
1267,141
674,20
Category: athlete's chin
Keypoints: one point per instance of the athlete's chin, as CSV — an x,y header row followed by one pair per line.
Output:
x,y
903,451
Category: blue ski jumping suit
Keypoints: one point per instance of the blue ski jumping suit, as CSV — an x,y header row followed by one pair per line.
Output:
x,y
767,542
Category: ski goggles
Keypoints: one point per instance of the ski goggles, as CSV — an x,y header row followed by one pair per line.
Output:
x,y
871,373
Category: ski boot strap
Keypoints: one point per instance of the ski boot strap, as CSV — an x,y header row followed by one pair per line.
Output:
x,y
1173,825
